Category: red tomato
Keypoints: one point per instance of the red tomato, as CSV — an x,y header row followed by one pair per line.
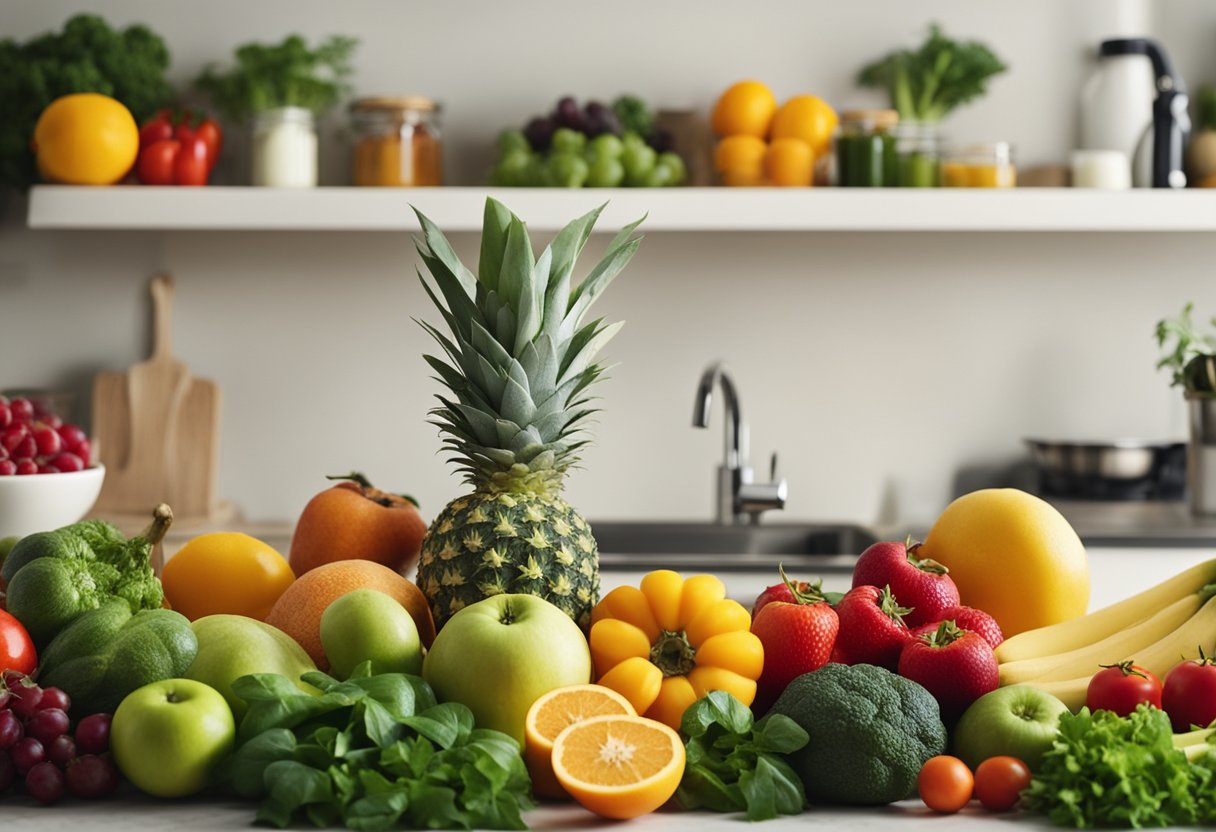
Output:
x,y
190,166
999,782
1121,687
1189,693
16,647
209,131
154,131
945,784
155,163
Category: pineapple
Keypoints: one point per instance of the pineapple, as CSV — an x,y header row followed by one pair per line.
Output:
x,y
518,365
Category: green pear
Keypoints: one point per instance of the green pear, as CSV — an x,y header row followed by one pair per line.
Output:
x,y
366,625
231,646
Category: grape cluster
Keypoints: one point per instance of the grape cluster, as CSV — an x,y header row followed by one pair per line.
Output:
x,y
38,746
593,146
35,441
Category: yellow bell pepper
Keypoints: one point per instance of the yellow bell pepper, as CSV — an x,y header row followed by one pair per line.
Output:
x,y
666,644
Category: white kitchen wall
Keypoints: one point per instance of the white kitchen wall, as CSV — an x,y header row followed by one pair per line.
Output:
x,y
880,366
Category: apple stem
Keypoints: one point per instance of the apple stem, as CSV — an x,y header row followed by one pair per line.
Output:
x,y
162,519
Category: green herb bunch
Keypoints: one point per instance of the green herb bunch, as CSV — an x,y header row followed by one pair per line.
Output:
x,y
1192,358
372,753
733,765
925,84
87,56
285,75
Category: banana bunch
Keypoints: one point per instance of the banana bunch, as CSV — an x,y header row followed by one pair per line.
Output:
x,y
1157,629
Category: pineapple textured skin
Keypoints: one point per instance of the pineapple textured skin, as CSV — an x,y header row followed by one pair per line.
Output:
x,y
488,543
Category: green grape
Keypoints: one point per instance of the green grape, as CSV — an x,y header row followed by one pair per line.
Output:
x,y
606,146
606,172
566,140
632,139
537,173
673,161
638,161
659,176
512,140
512,168
567,170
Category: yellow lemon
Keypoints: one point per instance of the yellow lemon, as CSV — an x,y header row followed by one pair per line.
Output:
x,y
806,117
1013,556
85,139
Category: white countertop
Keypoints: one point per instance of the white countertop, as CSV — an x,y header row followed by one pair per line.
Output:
x,y
135,813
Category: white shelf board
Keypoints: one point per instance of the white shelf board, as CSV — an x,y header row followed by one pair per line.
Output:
x,y
669,209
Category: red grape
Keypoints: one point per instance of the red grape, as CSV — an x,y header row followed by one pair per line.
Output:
x,y
7,468
44,783
92,776
46,440
72,436
27,466
23,409
54,698
44,725
25,699
26,754
11,730
6,413
68,462
7,773
61,750
93,734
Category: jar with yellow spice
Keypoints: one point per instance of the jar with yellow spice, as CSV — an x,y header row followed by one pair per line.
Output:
x,y
397,142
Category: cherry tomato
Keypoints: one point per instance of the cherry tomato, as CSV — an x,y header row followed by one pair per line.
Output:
x,y
190,166
1121,687
945,784
155,163
1189,693
999,782
16,647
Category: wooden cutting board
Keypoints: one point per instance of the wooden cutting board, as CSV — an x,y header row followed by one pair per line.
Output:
x,y
157,428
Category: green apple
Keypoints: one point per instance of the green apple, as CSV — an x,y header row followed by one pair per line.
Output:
x,y
1018,721
166,736
367,625
500,655
231,646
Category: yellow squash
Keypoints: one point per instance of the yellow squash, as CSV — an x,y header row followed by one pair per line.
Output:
x,y
666,644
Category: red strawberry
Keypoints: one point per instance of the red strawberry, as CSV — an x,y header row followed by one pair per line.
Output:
x,y
797,639
787,589
977,621
872,628
922,584
956,666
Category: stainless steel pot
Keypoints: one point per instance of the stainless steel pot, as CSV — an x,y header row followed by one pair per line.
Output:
x,y
1122,469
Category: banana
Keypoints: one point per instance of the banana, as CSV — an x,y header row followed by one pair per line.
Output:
x,y
1124,643
1078,632
1184,643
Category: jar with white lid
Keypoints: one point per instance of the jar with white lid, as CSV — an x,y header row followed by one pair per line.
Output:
x,y
285,148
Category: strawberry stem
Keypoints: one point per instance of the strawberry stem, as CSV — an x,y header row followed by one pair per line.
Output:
x,y
947,633
927,565
890,607
812,594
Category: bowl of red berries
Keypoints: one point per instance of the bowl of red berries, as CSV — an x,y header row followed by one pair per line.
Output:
x,y
48,477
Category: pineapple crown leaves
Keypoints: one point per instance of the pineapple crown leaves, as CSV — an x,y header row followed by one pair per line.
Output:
x,y
517,355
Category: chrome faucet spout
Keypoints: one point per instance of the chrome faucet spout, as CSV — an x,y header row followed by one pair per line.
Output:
x,y
715,375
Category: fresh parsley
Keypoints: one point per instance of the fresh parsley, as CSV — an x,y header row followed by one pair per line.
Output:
x,y
372,753
734,765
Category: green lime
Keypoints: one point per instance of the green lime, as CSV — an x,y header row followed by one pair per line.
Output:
x,y
606,172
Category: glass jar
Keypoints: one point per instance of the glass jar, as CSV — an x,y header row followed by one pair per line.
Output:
x,y
284,148
918,145
397,142
865,149
980,166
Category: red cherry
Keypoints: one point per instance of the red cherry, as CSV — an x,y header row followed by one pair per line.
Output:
x,y
27,448
84,450
12,436
6,413
72,435
47,440
26,466
23,410
7,467
68,462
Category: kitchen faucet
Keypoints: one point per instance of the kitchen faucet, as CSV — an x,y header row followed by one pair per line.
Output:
x,y
739,500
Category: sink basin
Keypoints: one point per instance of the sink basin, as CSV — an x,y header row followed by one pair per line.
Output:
x,y
816,547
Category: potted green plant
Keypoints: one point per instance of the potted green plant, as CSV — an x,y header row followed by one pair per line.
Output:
x,y
1191,357
280,89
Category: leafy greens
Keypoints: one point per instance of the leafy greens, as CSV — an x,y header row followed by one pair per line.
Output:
x,y
372,753
1191,357
734,765
927,83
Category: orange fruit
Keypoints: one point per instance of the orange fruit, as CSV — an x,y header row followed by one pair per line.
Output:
x,y
85,139
739,160
806,117
553,713
789,162
745,109
298,610
225,573
619,766
1012,555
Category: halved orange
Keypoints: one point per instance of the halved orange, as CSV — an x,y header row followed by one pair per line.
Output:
x,y
553,713
619,766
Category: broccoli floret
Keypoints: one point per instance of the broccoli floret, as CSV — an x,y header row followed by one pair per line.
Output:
x,y
871,731
633,114
87,56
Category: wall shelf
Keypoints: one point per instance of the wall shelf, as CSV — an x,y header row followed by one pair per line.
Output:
x,y
674,209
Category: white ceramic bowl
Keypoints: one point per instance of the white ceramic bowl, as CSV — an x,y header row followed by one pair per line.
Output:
x,y
41,502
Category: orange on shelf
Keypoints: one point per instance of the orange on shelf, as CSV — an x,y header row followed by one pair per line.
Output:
x,y
745,109
806,117
739,160
790,163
